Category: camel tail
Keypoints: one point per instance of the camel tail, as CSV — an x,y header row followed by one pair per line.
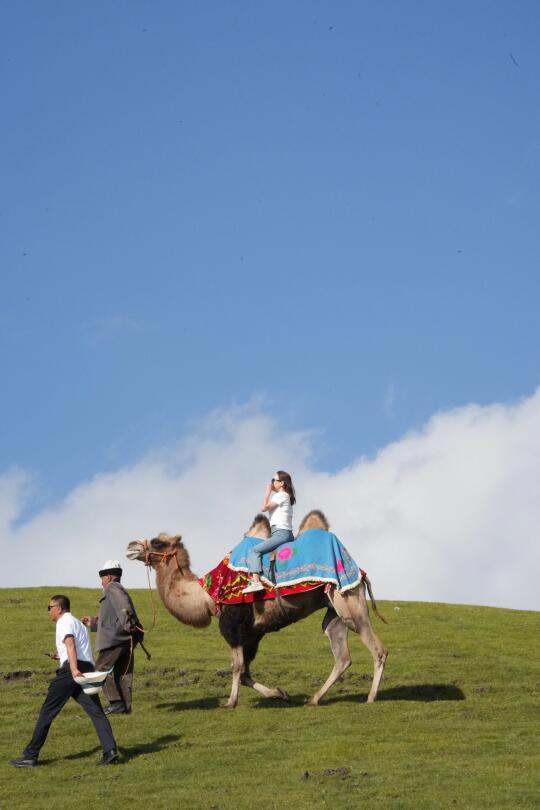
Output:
x,y
365,579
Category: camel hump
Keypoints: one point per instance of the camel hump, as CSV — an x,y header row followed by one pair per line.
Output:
x,y
260,527
314,520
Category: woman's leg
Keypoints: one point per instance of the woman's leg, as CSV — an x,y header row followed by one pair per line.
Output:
x,y
255,555
279,536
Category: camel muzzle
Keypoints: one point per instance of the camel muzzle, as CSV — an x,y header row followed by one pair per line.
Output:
x,y
135,550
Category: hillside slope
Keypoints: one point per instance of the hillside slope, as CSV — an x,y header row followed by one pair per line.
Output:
x,y
456,723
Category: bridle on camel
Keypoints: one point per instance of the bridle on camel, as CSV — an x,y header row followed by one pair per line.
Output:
x,y
165,557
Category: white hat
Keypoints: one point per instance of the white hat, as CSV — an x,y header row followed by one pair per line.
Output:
x,y
92,682
111,567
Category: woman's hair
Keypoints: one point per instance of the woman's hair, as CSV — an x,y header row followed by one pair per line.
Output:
x,y
287,485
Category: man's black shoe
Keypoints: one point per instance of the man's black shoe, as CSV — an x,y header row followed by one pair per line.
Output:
x,y
117,708
109,757
24,762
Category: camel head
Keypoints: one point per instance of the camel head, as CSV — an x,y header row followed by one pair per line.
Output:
x,y
158,550
178,586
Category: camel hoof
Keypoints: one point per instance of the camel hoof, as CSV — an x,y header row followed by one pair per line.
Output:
x,y
283,695
229,706
311,703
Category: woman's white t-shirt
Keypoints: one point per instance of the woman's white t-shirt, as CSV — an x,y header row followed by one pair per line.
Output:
x,y
281,516
68,625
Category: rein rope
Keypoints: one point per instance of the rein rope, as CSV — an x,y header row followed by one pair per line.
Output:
x,y
132,648
165,557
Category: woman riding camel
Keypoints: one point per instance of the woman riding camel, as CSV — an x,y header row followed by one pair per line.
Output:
x,y
279,499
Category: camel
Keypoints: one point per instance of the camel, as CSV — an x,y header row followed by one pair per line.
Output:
x,y
244,625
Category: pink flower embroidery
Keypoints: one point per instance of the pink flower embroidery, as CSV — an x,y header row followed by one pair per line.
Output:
x,y
340,567
284,553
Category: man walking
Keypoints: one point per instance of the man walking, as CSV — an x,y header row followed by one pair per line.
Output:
x,y
75,656
118,630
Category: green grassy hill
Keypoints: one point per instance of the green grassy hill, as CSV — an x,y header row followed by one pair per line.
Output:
x,y
456,724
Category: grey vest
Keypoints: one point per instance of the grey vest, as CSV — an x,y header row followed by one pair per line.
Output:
x,y
117,617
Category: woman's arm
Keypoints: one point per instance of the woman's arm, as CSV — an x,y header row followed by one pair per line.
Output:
x,y
268,505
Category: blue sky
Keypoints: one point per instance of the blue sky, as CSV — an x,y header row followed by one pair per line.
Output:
x,y
328,209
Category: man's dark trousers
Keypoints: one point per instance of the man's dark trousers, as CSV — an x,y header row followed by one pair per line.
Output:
x,y
118,687
60,690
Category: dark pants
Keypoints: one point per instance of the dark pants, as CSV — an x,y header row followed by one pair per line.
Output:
x,y
60,690
118,686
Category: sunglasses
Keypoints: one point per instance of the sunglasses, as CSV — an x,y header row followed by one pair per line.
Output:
x,y
50,607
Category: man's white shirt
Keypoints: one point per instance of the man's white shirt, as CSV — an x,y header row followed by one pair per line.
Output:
x,y
68,625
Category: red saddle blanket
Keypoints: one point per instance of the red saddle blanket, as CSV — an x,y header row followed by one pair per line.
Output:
x,y
225,586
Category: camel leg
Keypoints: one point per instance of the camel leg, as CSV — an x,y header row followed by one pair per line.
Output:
x,y
353,610
379,653
250,651
247,680
241,676
237,671
337,632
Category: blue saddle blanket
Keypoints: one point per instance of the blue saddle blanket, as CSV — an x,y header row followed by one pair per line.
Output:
x,y
315,556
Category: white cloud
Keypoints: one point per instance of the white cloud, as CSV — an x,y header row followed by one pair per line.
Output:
x,y
447,514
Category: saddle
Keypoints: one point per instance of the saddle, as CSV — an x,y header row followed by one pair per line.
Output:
x,y
315,559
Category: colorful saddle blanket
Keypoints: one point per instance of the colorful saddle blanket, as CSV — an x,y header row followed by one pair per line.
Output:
x,y
314,559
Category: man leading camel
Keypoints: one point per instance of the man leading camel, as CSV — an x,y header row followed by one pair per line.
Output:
x,y
118,630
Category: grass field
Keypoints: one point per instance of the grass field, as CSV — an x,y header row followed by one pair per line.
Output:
x,y
457,722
